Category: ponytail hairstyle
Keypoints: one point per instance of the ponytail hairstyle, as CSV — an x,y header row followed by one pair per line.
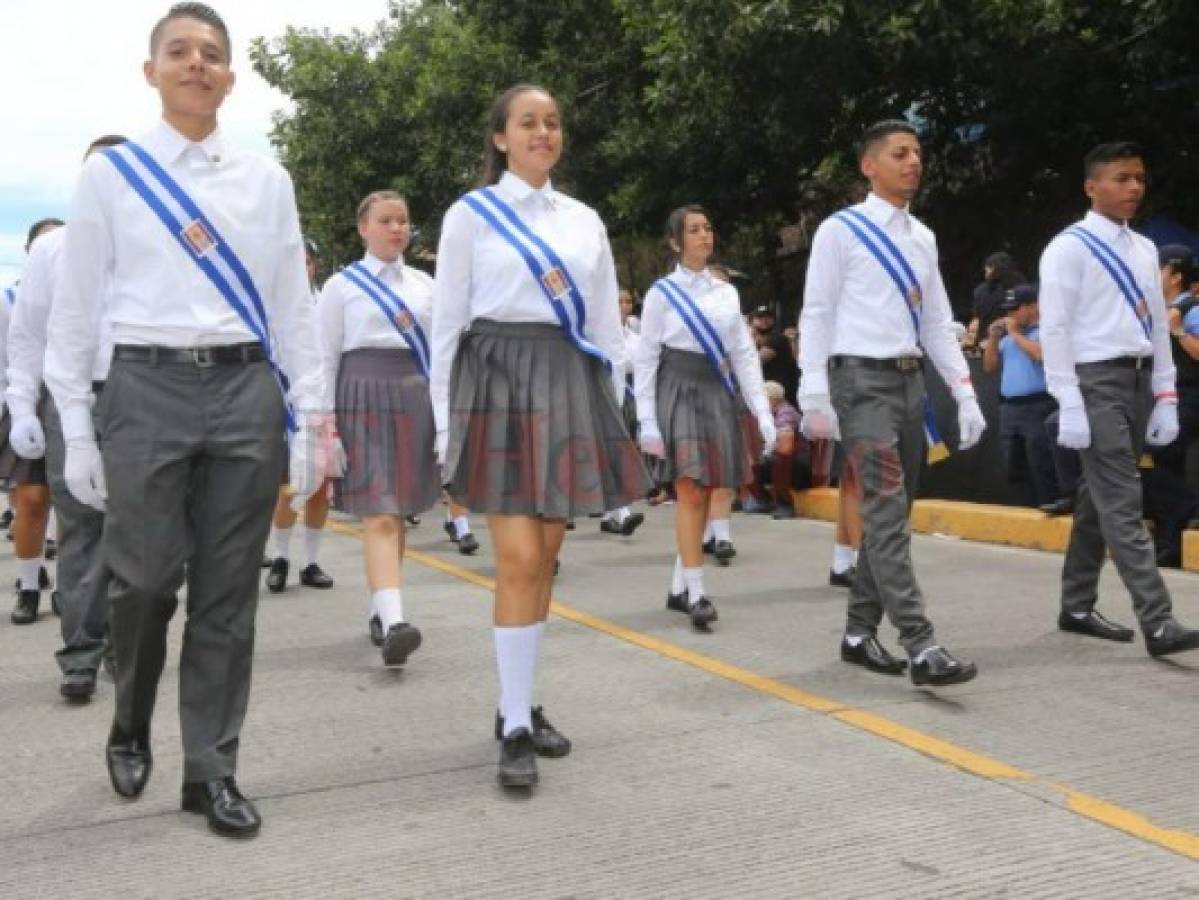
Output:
x,y
364,207
495,162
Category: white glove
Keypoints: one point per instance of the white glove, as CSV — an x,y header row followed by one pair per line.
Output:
x,y
83,471
1073,429
1163,423
770,434
27,438
971,423
819,422
650,439
308,457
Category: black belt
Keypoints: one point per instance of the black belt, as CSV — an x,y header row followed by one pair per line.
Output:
x,y
204,357
908,365
1026,398
1123,362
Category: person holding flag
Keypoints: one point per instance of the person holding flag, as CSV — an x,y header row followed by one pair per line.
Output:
x,y
375,316
874,307
694,354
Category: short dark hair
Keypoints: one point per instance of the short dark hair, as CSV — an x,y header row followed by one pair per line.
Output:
x,y
677,219
35,230
495,163
880,131
1110,152
105,140
202,12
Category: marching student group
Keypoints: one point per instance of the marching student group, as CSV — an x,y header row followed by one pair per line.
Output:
x,y
178,395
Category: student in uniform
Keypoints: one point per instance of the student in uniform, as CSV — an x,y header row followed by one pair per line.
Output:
x,y
374,320
874,306
316,510
82,577
1106,347
201,245
624,521
526,342
694,356
22,442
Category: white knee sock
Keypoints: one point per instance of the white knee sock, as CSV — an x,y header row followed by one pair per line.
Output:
x,y
677,585
722,529
27,572
694,579
462,526
388,605
281,541
312,544
516,659
844,556
51,527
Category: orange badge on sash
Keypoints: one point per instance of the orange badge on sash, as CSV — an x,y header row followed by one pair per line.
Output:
x,y
198,238
555,283
404,320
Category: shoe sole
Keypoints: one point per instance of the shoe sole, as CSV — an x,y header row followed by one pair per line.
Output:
x,y
960,678
550,752
77,695
1184,648
279,589
869,668
516,781
396,651
1119,639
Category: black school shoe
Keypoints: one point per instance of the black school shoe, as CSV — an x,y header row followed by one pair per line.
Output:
x,y
518,760
314,576
702,613
547,740
25,610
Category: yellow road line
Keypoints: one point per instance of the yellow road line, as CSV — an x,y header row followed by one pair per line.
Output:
x,y
1097,810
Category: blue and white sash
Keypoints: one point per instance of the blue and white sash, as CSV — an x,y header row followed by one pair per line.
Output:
x,y
547,268
891,258
202,243
394,309
1121,275
701,329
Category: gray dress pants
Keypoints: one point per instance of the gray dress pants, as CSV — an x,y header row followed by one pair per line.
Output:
x,y
882,432
82,574
1107,511
192,459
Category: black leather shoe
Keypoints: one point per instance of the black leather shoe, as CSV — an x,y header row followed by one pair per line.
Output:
x,y
724,552
228,812
678,602
413,521
547,740
6,519
78,684
703,613
610,526
129,760
710,546
314,576
266,562
25,610
43,578
842,579
50,549
400,642
1095,625
518,760
1171,637
632,523
467,544
451,531
870,654
376,630
939,668
276,579
1061,507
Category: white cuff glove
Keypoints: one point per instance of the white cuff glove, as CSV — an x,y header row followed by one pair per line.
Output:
x,y
308,457
819,422
27,438
83,471
650,439
1073,429
971,423
1163,424
770,435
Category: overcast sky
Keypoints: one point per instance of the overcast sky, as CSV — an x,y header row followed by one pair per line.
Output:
x,y
72,70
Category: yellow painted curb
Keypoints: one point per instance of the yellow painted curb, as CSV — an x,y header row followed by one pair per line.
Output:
x,y
1190,550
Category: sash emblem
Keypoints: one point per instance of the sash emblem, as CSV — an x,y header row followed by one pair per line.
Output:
x,y
555,283
198,238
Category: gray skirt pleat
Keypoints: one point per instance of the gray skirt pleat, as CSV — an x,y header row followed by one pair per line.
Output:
x,y
385,418
534,427
710,436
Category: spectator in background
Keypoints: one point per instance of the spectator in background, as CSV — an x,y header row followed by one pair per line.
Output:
x,y
1000,275
774,351
789,466
1024,400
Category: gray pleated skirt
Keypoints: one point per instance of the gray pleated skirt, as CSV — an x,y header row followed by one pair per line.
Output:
x,y
534,427
710,437
14,469
385,418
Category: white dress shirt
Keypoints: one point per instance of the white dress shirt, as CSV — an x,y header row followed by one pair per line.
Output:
x,y
481,276
158,295
852,307
6,301
662,327
1084,315
350,320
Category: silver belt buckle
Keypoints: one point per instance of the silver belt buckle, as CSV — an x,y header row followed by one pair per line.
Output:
x,y
907,363
202,357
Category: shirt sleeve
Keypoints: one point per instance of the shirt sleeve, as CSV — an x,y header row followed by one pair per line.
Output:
x,y
938,340
294,326
451,304
72,332
603,313
1163,380
1190,322
649,353
822,290
330,312
1061,273
27,328
746,364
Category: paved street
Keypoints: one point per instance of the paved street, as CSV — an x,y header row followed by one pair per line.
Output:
x,y
746,763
